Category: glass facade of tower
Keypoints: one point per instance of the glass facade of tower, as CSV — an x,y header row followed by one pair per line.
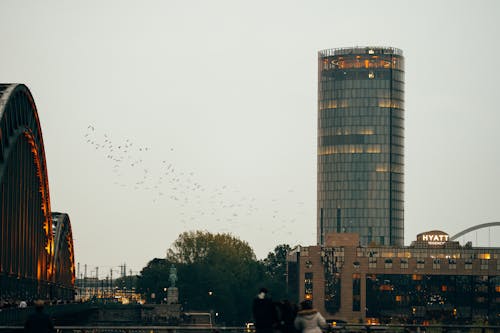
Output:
x,y
361,144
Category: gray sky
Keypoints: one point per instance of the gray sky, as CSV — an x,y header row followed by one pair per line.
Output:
x,y
224,93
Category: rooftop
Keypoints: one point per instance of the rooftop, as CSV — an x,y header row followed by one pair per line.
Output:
x,y
361,50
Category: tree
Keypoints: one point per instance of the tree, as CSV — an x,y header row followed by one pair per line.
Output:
x,y
216,272
203,246
275,262
275,270
153,280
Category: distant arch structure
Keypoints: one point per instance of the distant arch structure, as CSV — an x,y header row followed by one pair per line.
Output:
x,y
64,258
26,227
474,228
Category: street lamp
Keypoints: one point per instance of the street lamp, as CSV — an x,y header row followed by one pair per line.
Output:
x,y
211,304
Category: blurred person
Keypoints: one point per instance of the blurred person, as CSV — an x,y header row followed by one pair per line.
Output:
x,y
39,321
309,320
264,312
287,315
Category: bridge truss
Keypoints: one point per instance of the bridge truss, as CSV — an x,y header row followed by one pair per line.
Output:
x,y
27,250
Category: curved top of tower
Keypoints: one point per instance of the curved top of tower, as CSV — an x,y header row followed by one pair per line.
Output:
x,y
360,50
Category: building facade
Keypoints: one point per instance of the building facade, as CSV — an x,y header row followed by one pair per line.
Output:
x,y
361,144
433,279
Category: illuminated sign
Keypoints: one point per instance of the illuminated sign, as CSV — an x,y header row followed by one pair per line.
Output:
x,y
434,237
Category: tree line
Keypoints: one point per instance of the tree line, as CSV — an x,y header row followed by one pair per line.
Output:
x,y
216,272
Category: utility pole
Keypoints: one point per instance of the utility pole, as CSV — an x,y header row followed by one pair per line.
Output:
x,y
111,283
85,287
97,280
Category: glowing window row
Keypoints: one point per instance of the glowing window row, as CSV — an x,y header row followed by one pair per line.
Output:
x,y
339,75
350,149
364,102
426,253
339,62
346,131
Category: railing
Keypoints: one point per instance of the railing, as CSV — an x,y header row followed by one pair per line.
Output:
x,y
15,316
235,329
133,329
360,50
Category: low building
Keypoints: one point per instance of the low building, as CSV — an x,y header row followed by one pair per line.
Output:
x,y
432,279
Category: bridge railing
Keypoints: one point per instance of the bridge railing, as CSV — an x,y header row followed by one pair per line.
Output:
x,y
402,328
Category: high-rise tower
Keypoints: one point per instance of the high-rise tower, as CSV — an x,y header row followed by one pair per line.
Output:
x,y
361,144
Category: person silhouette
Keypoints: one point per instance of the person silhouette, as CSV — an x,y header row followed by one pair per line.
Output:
x,y
39,321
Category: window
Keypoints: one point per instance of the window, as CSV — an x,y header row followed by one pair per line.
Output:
x,y
436,264
372,262
388,263
404,263
452,264
468,264
484,264
308,284
420,263
356,292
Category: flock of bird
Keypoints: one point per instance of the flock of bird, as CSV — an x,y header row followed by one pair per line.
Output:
x,y
222,207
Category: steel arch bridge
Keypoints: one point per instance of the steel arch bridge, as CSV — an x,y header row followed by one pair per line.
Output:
x,y
27,250
474,228
64,259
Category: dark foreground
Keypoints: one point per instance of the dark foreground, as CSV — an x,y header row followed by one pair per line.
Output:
x,y
198,329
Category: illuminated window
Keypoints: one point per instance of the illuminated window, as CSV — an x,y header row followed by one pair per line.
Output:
x,y
366,131
373,149
308,284
382,168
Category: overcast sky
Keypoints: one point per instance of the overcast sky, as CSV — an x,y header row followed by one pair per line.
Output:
x,y
165,116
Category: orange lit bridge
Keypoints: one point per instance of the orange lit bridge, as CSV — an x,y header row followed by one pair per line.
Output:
x,y
36,245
